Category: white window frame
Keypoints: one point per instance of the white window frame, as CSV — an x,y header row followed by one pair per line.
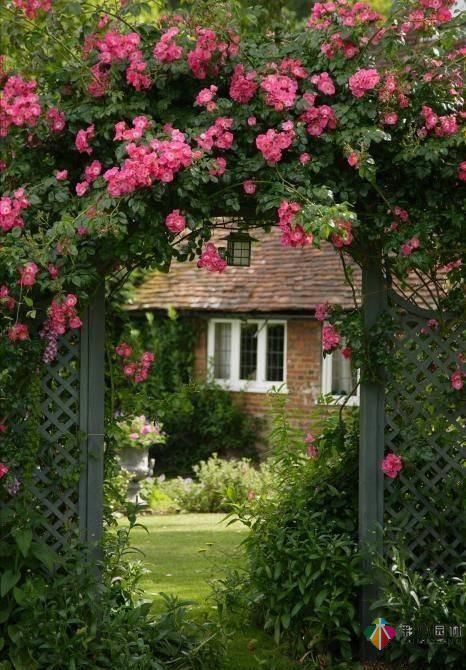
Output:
x,y
327,365
259,385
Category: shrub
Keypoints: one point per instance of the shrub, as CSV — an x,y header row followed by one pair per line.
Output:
x,y
200,420
218,485
303,566
422,601
83,619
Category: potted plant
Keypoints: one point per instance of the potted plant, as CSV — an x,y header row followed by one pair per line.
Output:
x,y
135,436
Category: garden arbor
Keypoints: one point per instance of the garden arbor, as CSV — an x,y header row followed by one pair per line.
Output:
x,y
422,512
118,148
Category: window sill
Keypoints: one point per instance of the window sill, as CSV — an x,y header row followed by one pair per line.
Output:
x,y
252,387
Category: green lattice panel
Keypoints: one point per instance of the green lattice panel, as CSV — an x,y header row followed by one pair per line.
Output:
x,y
56,486
425,506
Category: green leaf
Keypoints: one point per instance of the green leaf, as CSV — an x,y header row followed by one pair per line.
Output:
x,y
44,554
8,581
23,540
320,597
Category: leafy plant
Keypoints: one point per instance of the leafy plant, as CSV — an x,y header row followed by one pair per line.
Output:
x,y
200,420
421,601
81,619
218,484
303,566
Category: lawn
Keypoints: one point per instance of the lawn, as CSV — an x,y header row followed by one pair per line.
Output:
x,y
183,554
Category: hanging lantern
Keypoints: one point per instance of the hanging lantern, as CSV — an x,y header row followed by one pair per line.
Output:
x,y
239,249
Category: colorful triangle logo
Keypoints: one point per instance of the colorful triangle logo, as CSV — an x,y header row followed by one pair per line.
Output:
x,y
379,633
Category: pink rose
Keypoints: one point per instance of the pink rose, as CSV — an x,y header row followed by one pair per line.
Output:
x,y
61,175
175,222
456,380
392,465
249,187
362,81
4,470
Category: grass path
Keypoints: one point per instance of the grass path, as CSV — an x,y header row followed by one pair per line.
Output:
x,y
185,552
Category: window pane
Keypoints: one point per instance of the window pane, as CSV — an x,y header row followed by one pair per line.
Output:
x,y
343,377
222,353
275,353
248,352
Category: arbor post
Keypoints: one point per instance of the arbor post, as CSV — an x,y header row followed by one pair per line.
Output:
x,y
371,448
92,401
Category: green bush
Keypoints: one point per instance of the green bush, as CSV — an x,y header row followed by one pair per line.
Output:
x,y
218,485
67,616
303,566
198,421
422,601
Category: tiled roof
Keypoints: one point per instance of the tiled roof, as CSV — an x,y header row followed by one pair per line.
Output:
x,y
280,279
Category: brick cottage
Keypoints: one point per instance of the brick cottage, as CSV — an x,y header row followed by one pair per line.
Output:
x,y
257,329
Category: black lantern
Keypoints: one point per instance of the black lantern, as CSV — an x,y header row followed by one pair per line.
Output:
x,y
239,249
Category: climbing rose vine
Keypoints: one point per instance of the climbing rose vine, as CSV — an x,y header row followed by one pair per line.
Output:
x,y
122,146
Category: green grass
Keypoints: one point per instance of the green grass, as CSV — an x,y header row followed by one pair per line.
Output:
x,y
183,554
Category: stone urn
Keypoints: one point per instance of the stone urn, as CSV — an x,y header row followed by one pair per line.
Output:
x,y
135,460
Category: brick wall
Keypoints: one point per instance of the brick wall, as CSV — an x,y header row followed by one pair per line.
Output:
x,y
304,362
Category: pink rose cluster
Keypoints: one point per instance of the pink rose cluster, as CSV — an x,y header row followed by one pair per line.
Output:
x,y
6,299
205,98
19,332
218,136
91,172
137,369
343,13
62,316
211,259
139,126
280,91
10,210
440,125
210,52
293,234
28,274
82,139
273,143
167,50
322,311
175,222
56,120
19,104
330,338
293,68
362,81
161,160
4,470
392,465
219,166
462,171
411,245
338,44
32,7
243,85
324,83
318,119
344,236
115,47
433,12
391,89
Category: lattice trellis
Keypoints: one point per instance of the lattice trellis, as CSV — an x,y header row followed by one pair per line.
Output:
x,y
424,509
56,486
68,484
